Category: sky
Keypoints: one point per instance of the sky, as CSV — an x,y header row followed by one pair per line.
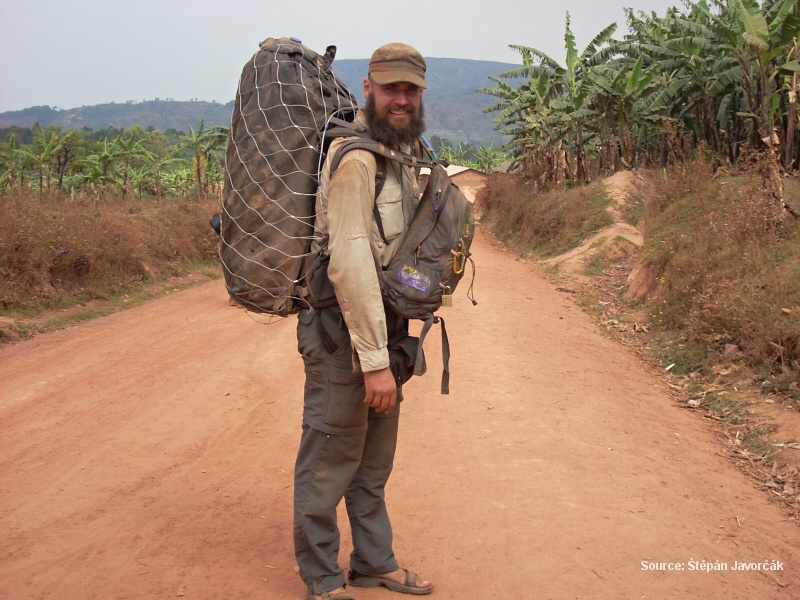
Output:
x,y
71,53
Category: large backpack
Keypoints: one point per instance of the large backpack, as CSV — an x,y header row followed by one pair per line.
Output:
x,y
289,103
287,94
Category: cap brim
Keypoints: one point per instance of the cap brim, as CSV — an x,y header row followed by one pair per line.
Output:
x,y
387,77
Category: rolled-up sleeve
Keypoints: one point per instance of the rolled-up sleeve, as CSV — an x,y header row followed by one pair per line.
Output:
x,y
352,265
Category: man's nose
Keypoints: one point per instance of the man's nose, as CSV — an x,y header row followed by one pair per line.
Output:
x,y
401,97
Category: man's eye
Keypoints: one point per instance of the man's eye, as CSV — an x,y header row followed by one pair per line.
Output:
x,y
396,89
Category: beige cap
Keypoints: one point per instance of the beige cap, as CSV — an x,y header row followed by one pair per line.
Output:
x,y
397,62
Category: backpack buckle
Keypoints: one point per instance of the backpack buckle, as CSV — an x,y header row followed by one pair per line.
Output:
x,y
459,259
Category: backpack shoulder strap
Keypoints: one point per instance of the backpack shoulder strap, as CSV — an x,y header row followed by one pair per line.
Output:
x,y
378,148
380,179
337,128
361,141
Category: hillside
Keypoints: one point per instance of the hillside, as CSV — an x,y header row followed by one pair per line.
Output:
x,y
160,114
453,107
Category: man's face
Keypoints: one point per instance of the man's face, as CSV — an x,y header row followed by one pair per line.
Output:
x,y
394,111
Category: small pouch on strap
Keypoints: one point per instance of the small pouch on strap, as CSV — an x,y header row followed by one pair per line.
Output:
x,y
403,354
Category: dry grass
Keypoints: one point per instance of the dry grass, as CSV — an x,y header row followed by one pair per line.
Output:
x,y
725,263
55,252
728,269
541,224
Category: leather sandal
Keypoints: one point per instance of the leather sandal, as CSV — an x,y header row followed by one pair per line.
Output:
x,y
329,596
408,587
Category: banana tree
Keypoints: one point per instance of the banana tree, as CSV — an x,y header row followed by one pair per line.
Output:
x,y
126,150
178,181
100,167
66,154
791,118
624,96
516,106
204,143
523,112
768,31
12,160
46,143
704,53
506,122
455,156
568,89
578,88
154,170
488,157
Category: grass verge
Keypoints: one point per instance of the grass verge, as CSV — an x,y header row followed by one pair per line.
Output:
x,y
64,261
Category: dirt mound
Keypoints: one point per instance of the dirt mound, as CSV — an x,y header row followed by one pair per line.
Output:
x,y
617,241
620,188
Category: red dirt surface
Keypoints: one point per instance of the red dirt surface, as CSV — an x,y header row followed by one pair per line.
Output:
x,y
149,454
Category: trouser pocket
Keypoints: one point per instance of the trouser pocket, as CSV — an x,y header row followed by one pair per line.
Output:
x,y
345,399
334,398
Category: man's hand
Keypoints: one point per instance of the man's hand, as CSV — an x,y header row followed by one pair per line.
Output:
x,y
381,390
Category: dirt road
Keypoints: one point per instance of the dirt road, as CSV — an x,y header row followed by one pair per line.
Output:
x,y
149,455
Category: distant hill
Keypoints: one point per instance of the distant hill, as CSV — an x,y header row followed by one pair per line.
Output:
x,y
161,114
453,109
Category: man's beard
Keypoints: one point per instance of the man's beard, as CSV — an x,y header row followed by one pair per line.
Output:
x,y
383,131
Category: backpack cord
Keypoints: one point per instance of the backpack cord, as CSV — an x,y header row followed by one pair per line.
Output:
x,y
470,291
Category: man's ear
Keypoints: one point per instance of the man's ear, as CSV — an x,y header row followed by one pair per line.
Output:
x,y
367,87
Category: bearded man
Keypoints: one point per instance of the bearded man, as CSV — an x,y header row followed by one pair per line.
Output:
x,y
351,398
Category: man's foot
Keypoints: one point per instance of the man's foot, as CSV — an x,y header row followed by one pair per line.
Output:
x,y
401,580
337,594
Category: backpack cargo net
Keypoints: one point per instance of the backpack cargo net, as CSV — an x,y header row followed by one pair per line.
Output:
x,y
286,97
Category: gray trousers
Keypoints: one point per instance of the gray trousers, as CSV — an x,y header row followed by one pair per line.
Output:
x,y
346,450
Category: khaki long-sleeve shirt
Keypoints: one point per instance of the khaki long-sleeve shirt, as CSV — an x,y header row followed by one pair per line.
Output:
x,y
347,232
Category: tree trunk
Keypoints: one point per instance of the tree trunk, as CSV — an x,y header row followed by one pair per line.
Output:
x,y
581,170
199,175
789,159
769,136
126,180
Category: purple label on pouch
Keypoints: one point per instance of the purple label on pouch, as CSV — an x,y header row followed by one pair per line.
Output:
x,y
409,275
